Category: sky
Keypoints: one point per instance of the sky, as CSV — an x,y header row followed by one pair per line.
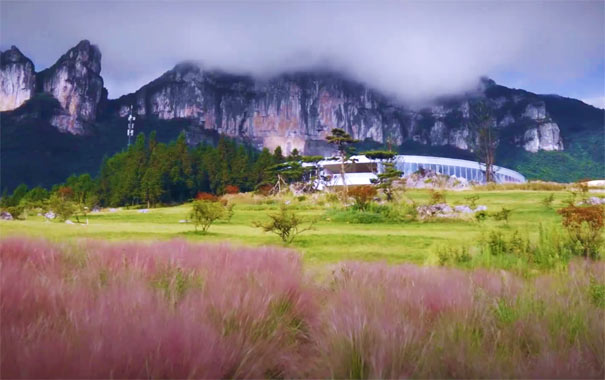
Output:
x,y
411,50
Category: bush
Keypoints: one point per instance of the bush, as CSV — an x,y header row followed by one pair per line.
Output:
x,y
503,214
362,195
458,255
285,224
231,189
436,197
472,201
547,201
202,196
584,225
204,213
62,207
480,216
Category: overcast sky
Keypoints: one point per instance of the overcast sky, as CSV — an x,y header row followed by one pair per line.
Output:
x,y
412,50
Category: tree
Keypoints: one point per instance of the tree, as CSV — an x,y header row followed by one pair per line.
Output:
x,y
285,224
278,156
384,180
342,141
62,206
487,139
314,171
204,213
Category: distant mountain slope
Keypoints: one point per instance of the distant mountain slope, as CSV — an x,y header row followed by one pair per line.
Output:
x,y
60,121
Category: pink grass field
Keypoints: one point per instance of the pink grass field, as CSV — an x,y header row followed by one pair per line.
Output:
x,y
180,310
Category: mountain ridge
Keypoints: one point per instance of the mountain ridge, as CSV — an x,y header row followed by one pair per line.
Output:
x,y
291,110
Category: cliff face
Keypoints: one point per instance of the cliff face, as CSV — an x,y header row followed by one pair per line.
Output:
x,y
292,110
299,111
17,79
75,81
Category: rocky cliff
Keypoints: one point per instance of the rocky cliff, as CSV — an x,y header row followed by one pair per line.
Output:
x,y
296,110
17,79
299,111
75,81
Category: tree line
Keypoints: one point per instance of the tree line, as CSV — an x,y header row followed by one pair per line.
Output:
x,y
151,173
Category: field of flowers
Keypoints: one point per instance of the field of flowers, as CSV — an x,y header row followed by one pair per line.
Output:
x,y
177,309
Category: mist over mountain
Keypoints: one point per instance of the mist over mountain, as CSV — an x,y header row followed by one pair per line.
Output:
x,y
414,51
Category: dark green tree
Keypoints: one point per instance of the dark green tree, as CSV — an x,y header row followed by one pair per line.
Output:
x,y
342,141
384,180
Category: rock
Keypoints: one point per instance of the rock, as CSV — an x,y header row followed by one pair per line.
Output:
x,y
113,210
17,79
463,209
544,137
5,215
595,201
440,210
143,211
75,81
480,208
50,215
69,222
183,221
96,209
535,111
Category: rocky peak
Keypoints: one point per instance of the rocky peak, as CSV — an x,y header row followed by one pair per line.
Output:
x,y
17,79
75,82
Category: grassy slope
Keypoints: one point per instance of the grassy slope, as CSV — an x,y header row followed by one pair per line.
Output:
x,y
329,242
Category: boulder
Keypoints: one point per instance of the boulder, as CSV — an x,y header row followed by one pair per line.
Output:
x,y
50,215
5,215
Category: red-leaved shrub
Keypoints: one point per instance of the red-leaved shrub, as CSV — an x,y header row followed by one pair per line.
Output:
x,y
231,189
202,196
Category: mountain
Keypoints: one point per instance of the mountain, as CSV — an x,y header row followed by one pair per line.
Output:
x,y
292,110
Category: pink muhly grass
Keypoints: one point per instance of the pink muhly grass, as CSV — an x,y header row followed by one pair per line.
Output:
x,y
180,310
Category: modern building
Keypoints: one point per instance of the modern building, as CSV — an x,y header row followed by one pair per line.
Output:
x,y
360,170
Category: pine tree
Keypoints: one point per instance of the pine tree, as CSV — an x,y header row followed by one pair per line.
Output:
x,y
342,141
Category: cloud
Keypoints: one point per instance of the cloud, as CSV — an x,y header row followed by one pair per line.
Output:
x,y
411,50
597,101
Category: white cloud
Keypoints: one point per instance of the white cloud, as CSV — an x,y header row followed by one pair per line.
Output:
x,y
597,101
413,50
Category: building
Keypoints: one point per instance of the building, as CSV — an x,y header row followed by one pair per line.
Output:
x,y
360,170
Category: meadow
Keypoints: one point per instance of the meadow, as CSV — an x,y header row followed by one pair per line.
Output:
x,y
136,293
331,240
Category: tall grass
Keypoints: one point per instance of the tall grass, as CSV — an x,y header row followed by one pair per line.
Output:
x,y
176,309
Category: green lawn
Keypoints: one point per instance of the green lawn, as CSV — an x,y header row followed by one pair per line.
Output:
x,y
329,242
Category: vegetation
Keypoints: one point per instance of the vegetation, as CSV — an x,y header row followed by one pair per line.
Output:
x,y
342,141
206,212
286,224
138,310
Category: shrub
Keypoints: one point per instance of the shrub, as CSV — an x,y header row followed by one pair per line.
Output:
x,y
472,200
584,225
503,214
480,216
231,189
362,195
285,224
436,197
264,190
547,201
62,207
458,255
202,196
204,213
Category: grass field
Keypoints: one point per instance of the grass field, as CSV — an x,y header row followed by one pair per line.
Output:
x,y
155,302
329,242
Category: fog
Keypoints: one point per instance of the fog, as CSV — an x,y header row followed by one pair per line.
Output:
x,y
411,50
